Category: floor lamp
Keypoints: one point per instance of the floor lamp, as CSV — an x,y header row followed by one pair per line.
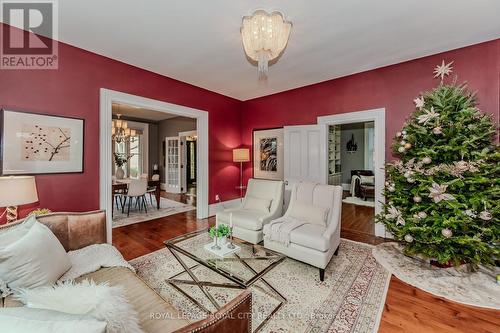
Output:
x,y
16,191
241,155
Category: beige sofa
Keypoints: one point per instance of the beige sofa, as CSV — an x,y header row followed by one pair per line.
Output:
x,y
77,230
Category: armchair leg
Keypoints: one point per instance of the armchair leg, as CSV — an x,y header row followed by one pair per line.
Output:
x,y
337,251
321,274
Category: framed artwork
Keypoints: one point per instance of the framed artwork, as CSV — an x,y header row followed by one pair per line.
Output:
x,y
268,154
33,143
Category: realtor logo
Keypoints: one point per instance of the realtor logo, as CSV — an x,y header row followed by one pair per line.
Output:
x,y
29,34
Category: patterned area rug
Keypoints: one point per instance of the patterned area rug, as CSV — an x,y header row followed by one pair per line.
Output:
x,y
477,288
351,299
167,207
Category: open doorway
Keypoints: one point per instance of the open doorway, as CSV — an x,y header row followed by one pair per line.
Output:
x,y
143,154
351,165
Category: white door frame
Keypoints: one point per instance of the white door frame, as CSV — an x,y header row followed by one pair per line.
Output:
x,y
107,98
183,157
378,117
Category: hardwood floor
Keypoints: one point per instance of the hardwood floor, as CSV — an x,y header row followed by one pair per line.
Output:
x,y
407,309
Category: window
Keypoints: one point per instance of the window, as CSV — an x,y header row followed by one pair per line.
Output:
x,y
133,149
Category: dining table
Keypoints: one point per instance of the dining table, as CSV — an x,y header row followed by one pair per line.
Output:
x,y
122,185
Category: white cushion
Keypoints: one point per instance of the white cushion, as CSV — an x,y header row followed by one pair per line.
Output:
x,y
9,235
309,213
307,235
258,204
104,302
246,219
368,180
27,320
34,260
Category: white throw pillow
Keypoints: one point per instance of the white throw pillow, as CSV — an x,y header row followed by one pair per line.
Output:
x,y
259,204
9,235
27,320
368,180
309,213
34,260
101,301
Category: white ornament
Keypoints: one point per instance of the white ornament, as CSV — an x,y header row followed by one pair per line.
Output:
x,y
404,132
411,180
417,199
462,166
419,102
403,142
422,215
391,189
407,174
426,160
442,70
437,192
437,130
405,136
485,215
470,213
427,116
408,238
447,233
401,149
398,134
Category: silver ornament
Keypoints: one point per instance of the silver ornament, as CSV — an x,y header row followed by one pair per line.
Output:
x,y
398,134
417,198
485,215
408,238
411,180
426,160
391,189
437,130
401,149
404,132
422,215
447,233
403,142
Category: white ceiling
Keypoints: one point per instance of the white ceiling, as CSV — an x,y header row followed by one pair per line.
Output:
x,y
198,41
140,113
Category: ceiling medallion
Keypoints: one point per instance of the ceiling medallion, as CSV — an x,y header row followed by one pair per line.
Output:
x,y
264,38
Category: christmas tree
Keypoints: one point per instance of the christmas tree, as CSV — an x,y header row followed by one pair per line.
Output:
x,y
443,194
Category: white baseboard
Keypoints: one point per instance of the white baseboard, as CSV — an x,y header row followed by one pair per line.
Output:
x,y
220,206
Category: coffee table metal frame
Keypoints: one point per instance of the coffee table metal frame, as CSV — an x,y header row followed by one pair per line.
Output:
x,y
236,282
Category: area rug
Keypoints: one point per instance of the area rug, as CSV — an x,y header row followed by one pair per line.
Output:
x,y
351,299
360,202
167,207
477,288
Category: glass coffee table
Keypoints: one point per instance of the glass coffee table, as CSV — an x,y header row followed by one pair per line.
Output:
x,y
243,269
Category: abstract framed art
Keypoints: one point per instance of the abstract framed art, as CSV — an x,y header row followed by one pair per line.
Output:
x,y
33,143
268,153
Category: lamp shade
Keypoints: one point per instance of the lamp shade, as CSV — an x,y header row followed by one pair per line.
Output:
x,y
19,190
241,155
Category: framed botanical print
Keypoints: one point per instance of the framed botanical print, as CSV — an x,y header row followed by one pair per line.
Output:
x,y
32,143
268,154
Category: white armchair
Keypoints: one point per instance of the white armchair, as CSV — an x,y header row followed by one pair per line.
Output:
x,y
313,243
262,203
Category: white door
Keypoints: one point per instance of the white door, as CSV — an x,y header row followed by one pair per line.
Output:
x,y
173,170
183,157
306,155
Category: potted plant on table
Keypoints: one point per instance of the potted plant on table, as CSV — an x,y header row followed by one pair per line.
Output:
x,y
220,234
120,160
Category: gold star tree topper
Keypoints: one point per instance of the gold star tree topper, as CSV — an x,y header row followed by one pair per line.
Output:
x,y
442,70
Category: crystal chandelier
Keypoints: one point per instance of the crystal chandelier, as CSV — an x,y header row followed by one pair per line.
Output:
x,y
264,38
120,132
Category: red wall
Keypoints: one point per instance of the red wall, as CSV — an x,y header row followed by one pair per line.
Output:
x,y
393,88
73,90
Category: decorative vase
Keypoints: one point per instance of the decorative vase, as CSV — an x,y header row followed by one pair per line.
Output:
x,y
119,173
223,241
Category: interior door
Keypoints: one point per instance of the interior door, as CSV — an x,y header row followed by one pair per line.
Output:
x,y
173,164
183,156
306,155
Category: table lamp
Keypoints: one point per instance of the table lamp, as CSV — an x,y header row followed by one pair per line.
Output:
x,y
241,155
16,191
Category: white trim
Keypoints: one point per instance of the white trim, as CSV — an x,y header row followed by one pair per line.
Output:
x,y
220,206
377,116
188,133
107,97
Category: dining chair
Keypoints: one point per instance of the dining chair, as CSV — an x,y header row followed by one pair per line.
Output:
x,y
152,189
136,189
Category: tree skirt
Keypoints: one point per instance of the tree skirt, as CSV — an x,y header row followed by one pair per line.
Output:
x,y
167,207
351,299
477,288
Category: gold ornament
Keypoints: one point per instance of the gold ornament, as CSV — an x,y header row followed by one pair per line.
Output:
x,y
408,145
